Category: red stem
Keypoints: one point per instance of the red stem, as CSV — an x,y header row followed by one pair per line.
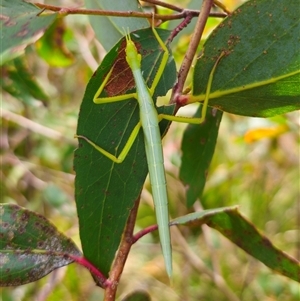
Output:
x,y
84,262
143,232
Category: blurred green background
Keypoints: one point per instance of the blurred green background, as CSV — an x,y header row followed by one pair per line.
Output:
x,y
255,166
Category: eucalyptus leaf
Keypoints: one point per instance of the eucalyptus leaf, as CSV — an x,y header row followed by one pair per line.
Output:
x,y
260,73
21,24
17,79
30,246
198,146
233,225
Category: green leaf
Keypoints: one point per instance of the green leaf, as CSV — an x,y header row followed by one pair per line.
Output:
x,y
260,74
30,246
106,191
21,25
198,145
244,234
110,29
19,81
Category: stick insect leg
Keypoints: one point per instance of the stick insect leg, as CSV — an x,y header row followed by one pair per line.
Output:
x,y
125,150
193,120
163,62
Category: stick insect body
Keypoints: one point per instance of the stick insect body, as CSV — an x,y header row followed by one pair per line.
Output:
x,y
149,122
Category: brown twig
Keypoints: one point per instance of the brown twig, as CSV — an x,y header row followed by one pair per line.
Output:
x,y
189,56
180,27
121,257
96,12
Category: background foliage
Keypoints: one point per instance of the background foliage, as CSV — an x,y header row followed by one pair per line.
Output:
x,y
257,170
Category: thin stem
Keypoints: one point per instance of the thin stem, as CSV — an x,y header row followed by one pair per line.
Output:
x,y
121,257
188,58
143,232
103,282
180,27
78,11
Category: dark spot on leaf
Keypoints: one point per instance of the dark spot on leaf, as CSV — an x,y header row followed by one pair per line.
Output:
x,y
37,224
14,212
4,225
21,230
3,17
10,23
22,33
40,244
266,242
25,216
106,192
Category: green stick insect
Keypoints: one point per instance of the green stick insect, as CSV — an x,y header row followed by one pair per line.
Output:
x,y
149,122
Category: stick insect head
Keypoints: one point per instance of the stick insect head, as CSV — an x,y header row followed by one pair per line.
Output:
x,y
133,58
